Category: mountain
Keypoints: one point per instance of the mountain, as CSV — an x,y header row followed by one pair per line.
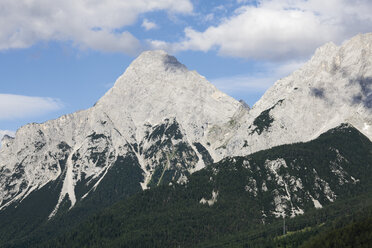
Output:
x,y
334,87
161,124
156,116
242,196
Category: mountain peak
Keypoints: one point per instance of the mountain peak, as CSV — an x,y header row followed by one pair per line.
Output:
x,y
360,39
327,49
157,86
5,140
334,87
355,49
157,60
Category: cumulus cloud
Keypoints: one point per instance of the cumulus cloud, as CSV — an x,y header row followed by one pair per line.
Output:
x,y
279,29
88,24
147,25
18,106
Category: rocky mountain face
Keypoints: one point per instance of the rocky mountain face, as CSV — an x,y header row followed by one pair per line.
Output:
x,y
242,200
161,122
334,87
157,115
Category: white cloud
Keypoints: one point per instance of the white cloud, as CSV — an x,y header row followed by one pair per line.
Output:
x,y
88,24
279,29
18,106
147,25
209,17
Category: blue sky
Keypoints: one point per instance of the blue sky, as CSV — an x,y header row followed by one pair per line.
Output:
x,y
57,57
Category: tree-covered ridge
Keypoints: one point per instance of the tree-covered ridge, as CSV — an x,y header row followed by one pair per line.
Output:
x,y
233,212
357,234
